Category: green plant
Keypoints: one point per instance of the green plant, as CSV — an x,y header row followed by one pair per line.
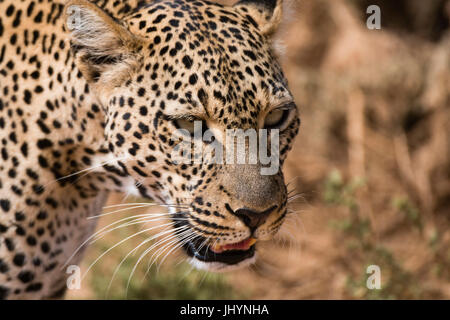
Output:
x,y
357,234
409,210
337,192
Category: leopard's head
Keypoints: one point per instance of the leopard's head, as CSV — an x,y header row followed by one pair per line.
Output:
x,y
175,78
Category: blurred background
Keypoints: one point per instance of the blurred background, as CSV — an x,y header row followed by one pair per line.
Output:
x,y
371,165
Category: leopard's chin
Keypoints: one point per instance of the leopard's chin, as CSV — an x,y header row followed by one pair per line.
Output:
x,y
228,258
214,266
221,267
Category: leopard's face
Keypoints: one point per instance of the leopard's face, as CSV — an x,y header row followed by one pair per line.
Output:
x,y
190,72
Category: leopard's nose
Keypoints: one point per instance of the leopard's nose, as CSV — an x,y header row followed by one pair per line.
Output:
x,y
253,219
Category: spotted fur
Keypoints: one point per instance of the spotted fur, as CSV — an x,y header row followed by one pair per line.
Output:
x,y
86,111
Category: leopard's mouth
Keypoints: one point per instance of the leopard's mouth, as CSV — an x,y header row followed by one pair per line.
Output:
x,y
243,245
229,254
207,255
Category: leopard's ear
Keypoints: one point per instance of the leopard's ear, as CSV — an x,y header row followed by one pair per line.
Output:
x,y
266,13
105,51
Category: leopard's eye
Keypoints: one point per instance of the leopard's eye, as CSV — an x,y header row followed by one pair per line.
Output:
x,y
276,119
193,126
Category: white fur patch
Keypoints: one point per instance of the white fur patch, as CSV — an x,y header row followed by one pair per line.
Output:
x,y
221,267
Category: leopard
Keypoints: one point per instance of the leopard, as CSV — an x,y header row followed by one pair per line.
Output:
x,y
95,98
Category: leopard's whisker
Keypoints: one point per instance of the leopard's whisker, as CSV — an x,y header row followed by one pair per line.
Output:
x,y
291,181
167,230
294,197
119,243
204,242
187,273
137,263
143,203
185,237
175,235
203,278
115,211
96,233
142,217
168,205
294,242
178,244
182,240
142,220
126,209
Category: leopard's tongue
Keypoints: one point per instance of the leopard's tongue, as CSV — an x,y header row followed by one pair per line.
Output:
x,y
243,245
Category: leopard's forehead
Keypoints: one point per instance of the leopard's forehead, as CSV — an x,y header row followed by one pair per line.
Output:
x,y
208,60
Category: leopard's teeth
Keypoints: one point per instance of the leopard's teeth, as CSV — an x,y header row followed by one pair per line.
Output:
x,y
217,248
